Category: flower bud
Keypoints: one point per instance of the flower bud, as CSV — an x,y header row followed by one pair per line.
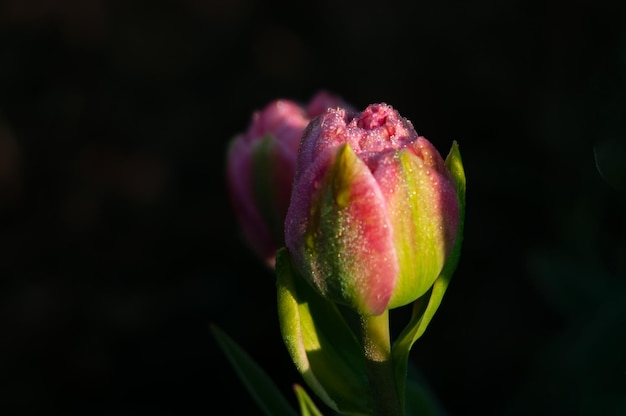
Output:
x,y
374,211
260,169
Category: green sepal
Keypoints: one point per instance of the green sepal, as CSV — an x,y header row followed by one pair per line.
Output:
x,y
307,406
425,307
321,344
257,382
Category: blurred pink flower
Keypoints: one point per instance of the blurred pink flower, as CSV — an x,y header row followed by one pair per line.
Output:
x,y
260,169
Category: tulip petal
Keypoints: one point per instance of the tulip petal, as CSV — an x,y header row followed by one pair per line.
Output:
x,y
272,172
422,199
260,169
339,232
425,307
240,186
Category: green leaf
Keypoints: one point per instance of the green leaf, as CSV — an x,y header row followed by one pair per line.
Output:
x,y
321,344
425,307
420,400
258,383
307,407
610,156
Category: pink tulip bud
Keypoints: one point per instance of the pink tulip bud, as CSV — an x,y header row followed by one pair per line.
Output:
x,y
260,169
374,211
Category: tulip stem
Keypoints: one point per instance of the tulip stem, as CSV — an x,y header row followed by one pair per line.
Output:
x,y
377,351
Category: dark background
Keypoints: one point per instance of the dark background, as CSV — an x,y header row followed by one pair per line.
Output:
x,y
118,246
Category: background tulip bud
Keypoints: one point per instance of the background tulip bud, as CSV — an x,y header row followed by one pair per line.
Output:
x,y
260,169
374,210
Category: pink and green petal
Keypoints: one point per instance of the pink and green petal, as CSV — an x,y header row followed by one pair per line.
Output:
x,y
347,241
417,196
243,199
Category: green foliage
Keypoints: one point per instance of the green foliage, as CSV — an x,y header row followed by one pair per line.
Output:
x,y
610,157
320,342
258,383
420,400
307,406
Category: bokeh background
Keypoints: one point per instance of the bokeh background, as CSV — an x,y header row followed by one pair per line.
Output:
x,y
118,246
